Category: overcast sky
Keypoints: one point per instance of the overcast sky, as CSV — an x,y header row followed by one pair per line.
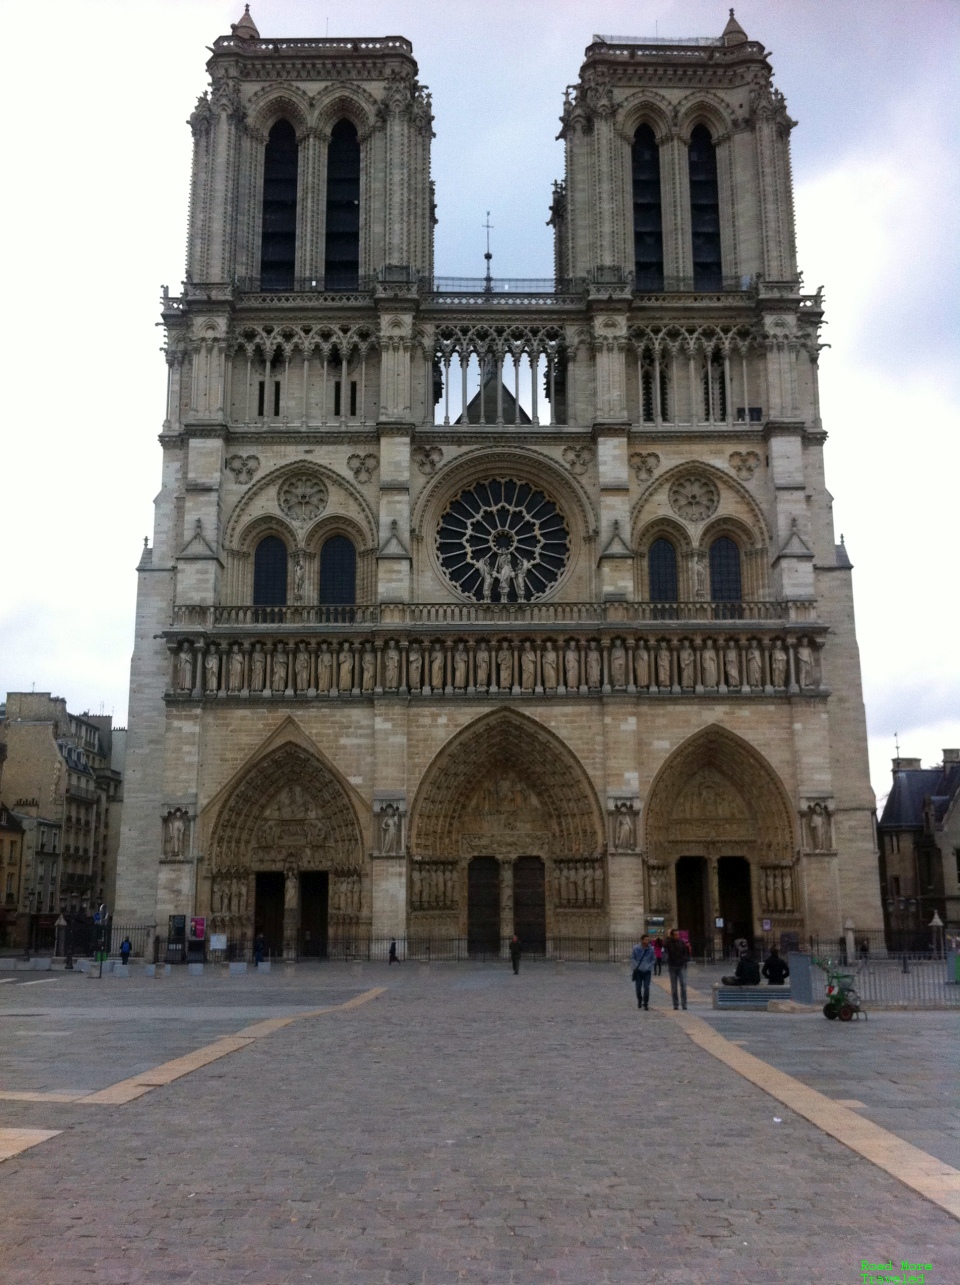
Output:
x,y
96,93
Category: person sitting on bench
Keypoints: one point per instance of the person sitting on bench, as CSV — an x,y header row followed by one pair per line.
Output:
x,y
747,972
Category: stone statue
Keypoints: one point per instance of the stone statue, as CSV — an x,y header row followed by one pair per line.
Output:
x,y
299,572
211,670
235,669
663,666
571,666
594,667
505,667
731,665
175,824
754,666
805,664
390,829
459,667
699,576
641,665
504,574
345,675
415,667
618,664
708,665
436,667
185,668
818,820
528,667
686,666
391,668
279,672
416,885
258,668
657,878
324,669
623,833
520,579
301,668
778,665
483,667
548,662
368,668
486,570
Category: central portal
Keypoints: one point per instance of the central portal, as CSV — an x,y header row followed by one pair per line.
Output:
x,y
483,906
268,911
530,905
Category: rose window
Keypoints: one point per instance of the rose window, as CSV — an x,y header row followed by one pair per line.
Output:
x,y
302,497
503,541
694,497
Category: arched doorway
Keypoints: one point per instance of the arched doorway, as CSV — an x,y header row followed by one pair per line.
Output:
x,y
719,834
286,859
506,809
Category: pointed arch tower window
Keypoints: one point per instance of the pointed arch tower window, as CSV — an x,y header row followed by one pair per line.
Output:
x,y
278,244
704,211
270,573
342,252
647,217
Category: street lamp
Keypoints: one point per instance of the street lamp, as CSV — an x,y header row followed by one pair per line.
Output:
x,y
936,923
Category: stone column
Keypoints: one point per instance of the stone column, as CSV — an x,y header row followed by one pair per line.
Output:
x,y
291,912
506,905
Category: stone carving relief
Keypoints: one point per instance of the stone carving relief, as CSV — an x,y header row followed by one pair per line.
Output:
x,y
578,459
658,884
362,466
299,575
433,885
744,464
230,892
184,679
346,888
427,459
776,888
694,497
302,497
579,885
390,830
644,464
819,824
623,825
175,834
243,467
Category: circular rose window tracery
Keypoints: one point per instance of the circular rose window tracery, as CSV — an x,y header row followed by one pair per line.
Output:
x,y
503,541
302,497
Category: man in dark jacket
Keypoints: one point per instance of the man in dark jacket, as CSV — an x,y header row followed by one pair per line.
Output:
x,y
775,969
678,956
515,954
747,972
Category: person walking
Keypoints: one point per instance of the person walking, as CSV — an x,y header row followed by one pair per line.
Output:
x,y
126,946
678,956
515,954
658,956
392,956
643,959
259,949
775,969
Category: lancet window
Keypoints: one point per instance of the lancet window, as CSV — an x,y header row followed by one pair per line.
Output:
x,y
309,375
704,211
696,374
338,572
725,574
500,375
662,571
342,257
647,217
270,572
278,245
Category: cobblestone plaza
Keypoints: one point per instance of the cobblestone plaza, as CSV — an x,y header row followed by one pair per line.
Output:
x,y
458,1123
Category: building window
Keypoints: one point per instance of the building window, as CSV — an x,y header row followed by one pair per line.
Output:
x,y
338,572
647,219
704,211
725,582
276,399
662,567
270,573
956,857
278,246
342,258
648,408
714,391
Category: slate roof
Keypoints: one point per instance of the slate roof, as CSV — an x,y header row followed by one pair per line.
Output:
x,y
903,809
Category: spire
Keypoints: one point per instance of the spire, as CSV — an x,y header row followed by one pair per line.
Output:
x,y
488,279
246,28
733,33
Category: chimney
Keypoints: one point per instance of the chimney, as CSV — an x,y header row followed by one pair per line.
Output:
x,y
950,757
906,765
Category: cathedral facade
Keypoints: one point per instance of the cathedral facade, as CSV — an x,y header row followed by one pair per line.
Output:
x,y
481,607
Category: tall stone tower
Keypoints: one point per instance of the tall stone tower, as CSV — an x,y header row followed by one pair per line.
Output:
x,y
476,606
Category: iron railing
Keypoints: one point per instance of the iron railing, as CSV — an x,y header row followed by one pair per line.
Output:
x,y
898,983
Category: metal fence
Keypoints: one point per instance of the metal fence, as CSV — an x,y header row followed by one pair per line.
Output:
x,y
904,982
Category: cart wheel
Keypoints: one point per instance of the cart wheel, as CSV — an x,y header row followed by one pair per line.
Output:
x,y
846,1013
829,1011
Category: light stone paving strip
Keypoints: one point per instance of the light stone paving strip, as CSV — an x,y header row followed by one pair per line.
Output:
x,y
13,1141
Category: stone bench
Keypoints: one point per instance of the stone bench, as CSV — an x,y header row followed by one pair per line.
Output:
x,y
748,997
